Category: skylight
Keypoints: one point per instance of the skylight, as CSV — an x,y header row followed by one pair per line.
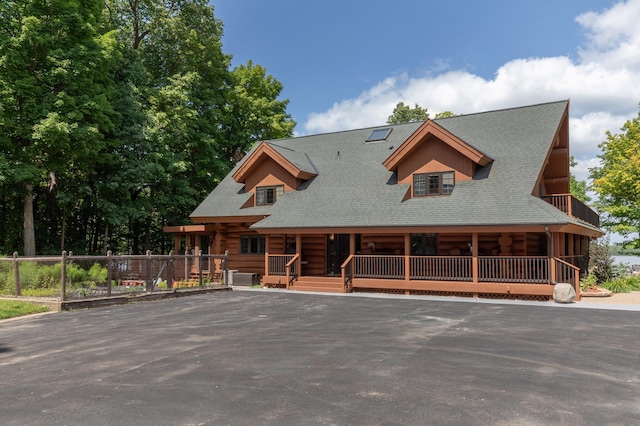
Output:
x,y
379,135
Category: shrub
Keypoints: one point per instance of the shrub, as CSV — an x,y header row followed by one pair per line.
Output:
x,y
97,273
623,284
589,281
76,274
600,260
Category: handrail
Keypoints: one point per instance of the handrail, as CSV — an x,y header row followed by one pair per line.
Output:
x,y
292,270
347,273
567,273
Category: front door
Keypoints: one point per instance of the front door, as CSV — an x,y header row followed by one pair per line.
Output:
x,y
337,253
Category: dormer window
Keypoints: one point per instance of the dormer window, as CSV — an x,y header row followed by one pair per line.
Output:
x,y
267,195
425,184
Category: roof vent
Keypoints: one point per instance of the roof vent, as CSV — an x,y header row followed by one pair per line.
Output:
x,y
379,135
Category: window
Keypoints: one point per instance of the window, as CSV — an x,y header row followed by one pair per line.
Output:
x,y
379,135
424,244
252,244
267,195
433,183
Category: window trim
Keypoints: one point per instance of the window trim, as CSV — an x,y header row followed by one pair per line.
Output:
x,y
423,181
246,244
263,200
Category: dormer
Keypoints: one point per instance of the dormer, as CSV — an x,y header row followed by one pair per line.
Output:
x,y
432,160
270,171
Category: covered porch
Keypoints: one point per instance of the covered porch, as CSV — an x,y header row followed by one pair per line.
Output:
x,y
526,263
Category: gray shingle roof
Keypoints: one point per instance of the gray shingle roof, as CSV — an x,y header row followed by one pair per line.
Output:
x,y
353,189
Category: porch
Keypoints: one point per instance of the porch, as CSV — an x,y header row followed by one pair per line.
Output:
x,y
532,276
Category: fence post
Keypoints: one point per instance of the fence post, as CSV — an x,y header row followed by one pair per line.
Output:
x,y
109,272
16,272
170,271
149,272
63,296
200,268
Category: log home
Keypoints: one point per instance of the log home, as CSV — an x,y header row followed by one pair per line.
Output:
x,y
474,204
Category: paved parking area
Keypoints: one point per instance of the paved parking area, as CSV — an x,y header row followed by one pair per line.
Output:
x,y
272,358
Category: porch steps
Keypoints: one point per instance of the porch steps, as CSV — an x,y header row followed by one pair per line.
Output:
x,y
321,284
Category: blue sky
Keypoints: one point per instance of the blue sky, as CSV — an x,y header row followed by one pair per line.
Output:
x,y
345,64
327,51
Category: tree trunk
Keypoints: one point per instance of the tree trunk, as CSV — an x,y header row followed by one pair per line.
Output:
x,y
64,229
106,238
29,230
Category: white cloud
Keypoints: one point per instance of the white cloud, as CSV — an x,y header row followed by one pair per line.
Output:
x,y
602,85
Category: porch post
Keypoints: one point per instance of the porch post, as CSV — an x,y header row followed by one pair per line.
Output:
x,y
299,253
352,244
176,243
266,254
474,258
407,257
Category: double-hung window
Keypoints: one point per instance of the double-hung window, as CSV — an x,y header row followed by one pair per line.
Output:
x,y
252,244
267,195
441,183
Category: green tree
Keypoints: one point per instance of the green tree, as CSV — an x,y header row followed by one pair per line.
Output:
x,y
253,111
54,97
578,188
617,180
200,116
405,114
444,114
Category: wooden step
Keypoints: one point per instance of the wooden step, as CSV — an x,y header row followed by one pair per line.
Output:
x,y
321,284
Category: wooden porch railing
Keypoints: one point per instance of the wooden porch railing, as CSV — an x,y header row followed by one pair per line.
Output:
x,y
347,273
526,270
573,207
278,263
292,269
441,268
564,272
372,266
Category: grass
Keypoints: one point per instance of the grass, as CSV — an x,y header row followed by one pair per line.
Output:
x,y
16,308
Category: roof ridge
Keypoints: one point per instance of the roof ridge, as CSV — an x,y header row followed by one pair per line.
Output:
x,y
503,109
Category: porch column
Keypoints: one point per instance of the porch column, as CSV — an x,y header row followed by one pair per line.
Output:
x,y
352,244
299,253
474,258
266,254
176,243
407,257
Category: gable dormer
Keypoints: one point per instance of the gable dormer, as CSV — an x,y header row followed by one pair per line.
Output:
x,y
433,159
270,171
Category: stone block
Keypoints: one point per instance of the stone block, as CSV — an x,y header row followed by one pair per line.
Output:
x,y
564,293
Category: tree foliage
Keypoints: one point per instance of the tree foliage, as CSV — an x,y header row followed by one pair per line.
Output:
x,y
617,180
117,118
405,114
578,188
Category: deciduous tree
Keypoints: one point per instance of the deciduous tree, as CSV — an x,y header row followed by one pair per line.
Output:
x,y
617,180
54,77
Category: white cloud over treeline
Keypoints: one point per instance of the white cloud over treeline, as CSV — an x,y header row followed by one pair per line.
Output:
x,y
602,82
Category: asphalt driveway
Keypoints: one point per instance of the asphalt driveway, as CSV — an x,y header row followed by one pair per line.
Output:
x,y
272,358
